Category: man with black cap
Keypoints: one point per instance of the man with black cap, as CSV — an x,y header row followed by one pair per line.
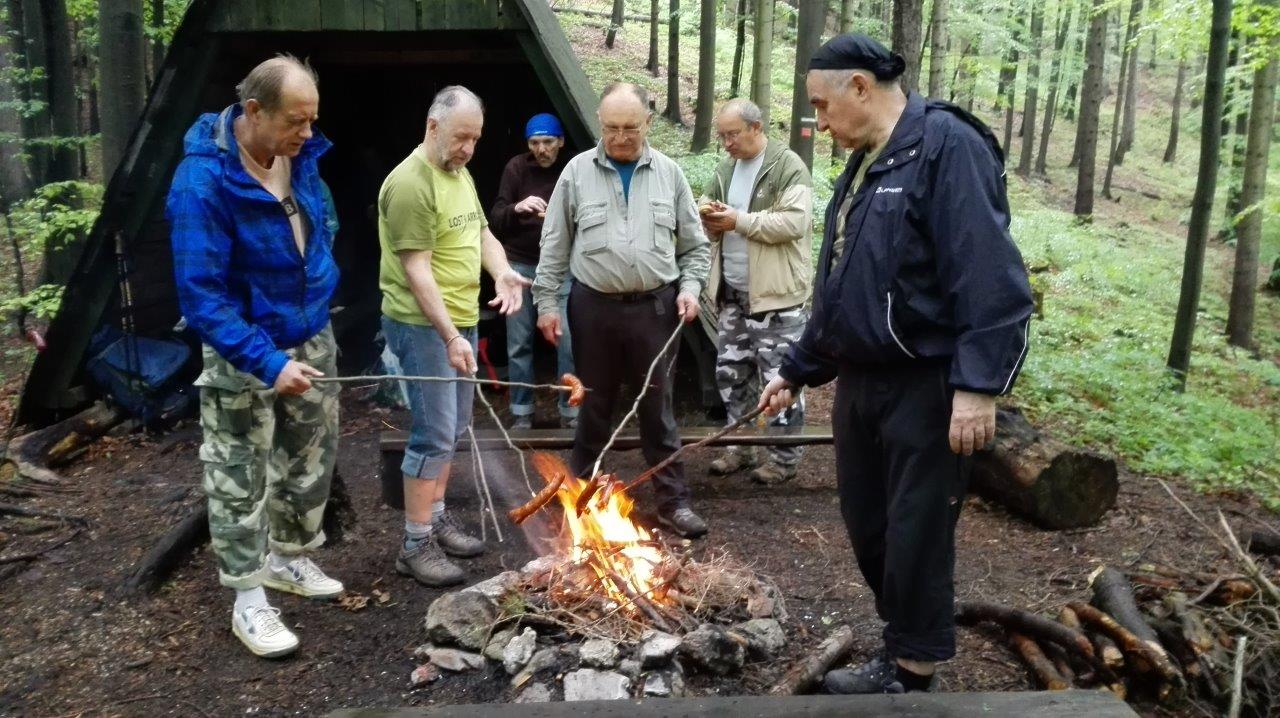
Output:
x,y
517,218
920,314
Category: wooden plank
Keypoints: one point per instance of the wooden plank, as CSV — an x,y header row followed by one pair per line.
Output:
x,y
375,14
299,15
402,15
341,15
553,439
472,14
431,14
546,38
1044,704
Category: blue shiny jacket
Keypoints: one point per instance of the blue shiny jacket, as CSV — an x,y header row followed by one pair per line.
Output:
x,y
929,271
242,284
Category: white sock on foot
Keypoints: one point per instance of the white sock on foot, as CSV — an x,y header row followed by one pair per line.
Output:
x,y
278,562
250,597
437,508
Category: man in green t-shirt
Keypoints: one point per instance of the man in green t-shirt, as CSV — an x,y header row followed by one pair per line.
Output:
x,y
434,240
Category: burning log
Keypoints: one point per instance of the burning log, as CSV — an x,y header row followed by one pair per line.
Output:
x,y
1046,673
1052,485
807,671
1131,645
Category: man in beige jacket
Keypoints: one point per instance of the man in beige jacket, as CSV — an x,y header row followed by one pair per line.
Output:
x,y
757,211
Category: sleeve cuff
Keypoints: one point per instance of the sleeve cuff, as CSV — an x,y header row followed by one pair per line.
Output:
x,y
691,286
274,365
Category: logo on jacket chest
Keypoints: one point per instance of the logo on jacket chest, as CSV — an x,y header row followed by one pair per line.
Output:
x,y
888,190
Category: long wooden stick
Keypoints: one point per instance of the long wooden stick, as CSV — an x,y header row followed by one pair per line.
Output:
x,y
809,669
434,379
652,471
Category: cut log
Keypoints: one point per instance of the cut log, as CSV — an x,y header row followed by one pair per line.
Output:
x,y
1114,596
1050,484
1110,654
1017,620
1132,646
167,553
34,455
1046,674
1264,543
807,671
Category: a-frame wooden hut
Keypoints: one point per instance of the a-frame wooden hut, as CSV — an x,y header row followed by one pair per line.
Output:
x,y
379,62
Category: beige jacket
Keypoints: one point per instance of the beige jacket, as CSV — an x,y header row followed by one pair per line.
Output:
x,y
778,228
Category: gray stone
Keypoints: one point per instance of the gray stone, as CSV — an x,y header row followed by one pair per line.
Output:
x,y
543,659
452,659
535,693
630,668
519,650
423,674
664,684
588,684
657,648
493,651
494,588
764,636
713,649
599,653
461,617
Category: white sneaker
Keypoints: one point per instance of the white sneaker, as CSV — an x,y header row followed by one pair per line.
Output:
x,y
302,577
260,629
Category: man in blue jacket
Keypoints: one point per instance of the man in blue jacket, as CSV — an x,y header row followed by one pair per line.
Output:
x,y
252,229
920,314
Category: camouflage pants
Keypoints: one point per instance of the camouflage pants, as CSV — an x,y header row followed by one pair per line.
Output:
x,y
750,351
268,460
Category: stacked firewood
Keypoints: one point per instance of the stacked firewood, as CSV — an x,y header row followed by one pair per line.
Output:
x,y
1156,633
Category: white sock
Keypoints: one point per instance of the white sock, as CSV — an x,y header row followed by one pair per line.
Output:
x,y
437,508
277,561
415,533
249,597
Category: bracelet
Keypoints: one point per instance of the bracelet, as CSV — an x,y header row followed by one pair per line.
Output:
x,y
455,336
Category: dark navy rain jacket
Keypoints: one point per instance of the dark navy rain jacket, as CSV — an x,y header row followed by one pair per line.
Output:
x,y
929,271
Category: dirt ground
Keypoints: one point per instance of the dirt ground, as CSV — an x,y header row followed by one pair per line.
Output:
x,y
71,644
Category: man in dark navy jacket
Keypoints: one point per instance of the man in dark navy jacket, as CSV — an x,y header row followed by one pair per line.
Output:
x,y
920,313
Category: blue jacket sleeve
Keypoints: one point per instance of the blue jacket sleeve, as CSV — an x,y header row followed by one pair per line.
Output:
x,y
979,268
201,239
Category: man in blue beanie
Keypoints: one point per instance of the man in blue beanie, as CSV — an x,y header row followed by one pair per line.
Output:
x,y
517,218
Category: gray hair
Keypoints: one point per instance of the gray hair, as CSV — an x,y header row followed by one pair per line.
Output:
x,y
265,83
637,91
450,99
748,111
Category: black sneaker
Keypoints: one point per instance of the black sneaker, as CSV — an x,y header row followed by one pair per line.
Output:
x,y
878,675
684,522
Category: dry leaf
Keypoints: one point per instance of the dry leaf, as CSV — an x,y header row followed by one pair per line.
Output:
x,y
382,596
351,601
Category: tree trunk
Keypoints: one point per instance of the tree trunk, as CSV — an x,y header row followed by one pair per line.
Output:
x,y
673,66
1051,485
762,58
1033,89
938,48
739,46
64,162
1184,326
1171,149
157,44
1244,281
1128,128
615,22
706,75
652,64
15,183
1055,75
886,17
121,77
1008,81
1235,177
29,44
1126,59
809,25
906,39
1090,102
846,16
1073,85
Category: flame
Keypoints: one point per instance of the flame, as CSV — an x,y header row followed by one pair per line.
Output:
x,y
605,538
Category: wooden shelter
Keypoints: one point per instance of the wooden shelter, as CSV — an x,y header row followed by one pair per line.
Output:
x,y
379,63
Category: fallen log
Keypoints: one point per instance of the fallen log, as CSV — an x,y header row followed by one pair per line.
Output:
x,y
810,669
1050,484
35,454
1114,597
22,511
1264,543
1131,645
1046,674
1017,620
166,554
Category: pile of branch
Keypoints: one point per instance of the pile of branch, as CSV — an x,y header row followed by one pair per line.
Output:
x,y
1158,633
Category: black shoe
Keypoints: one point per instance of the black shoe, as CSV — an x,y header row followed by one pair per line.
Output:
x,y
878,675
684,522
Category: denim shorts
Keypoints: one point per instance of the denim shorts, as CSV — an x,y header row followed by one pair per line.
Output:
x,y
441,410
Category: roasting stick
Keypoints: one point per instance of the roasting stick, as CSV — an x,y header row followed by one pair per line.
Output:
x,y
524,470
644,388
475,449
460,379
648,474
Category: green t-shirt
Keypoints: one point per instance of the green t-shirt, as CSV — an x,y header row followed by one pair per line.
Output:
x,y
846,204
422,207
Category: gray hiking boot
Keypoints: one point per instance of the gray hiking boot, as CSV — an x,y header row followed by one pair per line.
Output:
x,y
878,675
773,473
522,423
734,460
428,565
684,522
453,539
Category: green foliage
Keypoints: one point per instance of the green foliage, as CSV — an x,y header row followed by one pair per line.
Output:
x,y
57,215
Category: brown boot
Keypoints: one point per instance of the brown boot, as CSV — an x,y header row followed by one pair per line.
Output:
x,y
734,460
773,473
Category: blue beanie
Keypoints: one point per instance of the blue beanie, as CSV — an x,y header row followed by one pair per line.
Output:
x,y
545,125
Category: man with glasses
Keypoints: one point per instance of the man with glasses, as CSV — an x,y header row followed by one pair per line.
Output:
x,y
623,221
758,212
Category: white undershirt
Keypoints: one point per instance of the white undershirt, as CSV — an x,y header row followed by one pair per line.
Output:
x,y
733,253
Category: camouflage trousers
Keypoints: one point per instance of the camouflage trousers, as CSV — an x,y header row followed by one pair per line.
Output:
x,y
750,349
268,460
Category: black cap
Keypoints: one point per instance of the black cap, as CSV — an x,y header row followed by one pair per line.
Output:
x,y
855,51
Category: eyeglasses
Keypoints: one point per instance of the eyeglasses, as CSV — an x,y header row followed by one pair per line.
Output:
x,y
627,132
729,136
